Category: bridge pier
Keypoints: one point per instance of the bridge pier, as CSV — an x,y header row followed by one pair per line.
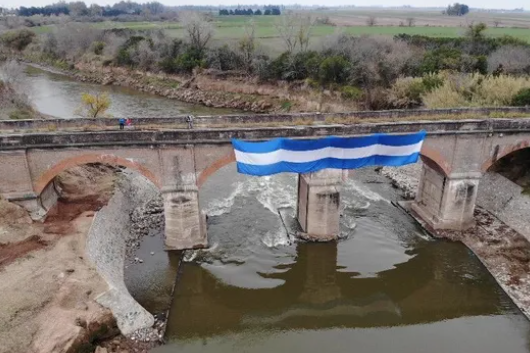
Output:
x,y
319,204
446,202
185,223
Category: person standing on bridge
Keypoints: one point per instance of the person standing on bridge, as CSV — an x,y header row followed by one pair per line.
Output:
x,y
122,123
189,119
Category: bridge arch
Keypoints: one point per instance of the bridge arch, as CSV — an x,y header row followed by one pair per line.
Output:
x,y
500,152
43,180
431,154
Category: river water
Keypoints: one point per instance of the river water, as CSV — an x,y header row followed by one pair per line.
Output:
x,y
60,96
386,286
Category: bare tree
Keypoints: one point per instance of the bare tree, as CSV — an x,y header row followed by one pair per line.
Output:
x,y
295,30
371,21
496,23
411,21
247,45
286,27
199,31
305,24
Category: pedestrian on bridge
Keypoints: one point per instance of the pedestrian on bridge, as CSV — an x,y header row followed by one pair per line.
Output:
x,y
122,123
189,119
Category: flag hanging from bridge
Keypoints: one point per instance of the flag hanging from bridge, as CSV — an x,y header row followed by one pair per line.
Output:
x,y
306,156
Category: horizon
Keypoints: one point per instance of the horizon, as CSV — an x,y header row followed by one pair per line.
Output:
x,y
416,4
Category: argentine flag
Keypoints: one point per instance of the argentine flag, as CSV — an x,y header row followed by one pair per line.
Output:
x,y
306,156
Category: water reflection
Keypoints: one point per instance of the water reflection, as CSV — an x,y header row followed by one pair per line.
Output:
x,y
386,287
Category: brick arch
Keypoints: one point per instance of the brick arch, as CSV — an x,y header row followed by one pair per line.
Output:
x,y
215,166
436,157
503,152
427,152
65,164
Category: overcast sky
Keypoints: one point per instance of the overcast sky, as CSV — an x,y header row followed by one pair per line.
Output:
x,y
492,4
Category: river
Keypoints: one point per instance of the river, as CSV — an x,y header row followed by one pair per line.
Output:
x,y
386,286
60,96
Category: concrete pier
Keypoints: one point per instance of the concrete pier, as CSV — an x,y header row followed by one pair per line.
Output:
x,y
319,204
185,223
446,202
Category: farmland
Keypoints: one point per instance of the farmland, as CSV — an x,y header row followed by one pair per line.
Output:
x,y
388,22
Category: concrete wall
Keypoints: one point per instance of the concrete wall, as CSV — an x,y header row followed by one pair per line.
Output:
x,y
98,123
106,244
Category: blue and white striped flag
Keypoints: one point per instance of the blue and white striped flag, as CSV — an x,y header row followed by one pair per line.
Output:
x,y
305,156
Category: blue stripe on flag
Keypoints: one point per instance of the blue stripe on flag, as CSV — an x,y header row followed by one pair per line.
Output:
x,y
331,141
326,163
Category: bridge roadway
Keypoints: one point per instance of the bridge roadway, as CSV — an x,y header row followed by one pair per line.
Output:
x,y
178,161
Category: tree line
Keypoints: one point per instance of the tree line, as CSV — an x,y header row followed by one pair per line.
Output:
x,y
268,11
79,8
457,9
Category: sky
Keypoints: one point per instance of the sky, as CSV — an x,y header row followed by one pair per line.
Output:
x,y
490,4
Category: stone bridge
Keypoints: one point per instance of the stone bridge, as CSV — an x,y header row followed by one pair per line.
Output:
x,y
455,153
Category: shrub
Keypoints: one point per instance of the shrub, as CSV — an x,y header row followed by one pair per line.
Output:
x,y
432,81
406,93
511,59
351,92
189,60
17,40
522,98
334,70
224,58
94,105
98,47
461,90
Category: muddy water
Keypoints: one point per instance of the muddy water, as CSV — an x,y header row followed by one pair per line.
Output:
x,y
60,96
385,287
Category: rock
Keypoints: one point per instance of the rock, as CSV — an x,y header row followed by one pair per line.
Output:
x,y
100,349
152,252
70,270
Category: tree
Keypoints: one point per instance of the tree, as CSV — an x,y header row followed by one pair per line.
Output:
x,y
476,32
94,105
199,32
411,21
457,9
247,45
371,21
295,30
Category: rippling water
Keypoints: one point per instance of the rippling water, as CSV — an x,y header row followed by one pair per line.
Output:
x,y
385,287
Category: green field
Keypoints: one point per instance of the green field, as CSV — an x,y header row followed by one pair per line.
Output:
x,y
230,28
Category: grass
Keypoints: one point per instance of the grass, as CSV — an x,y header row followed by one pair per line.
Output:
x,y
433,24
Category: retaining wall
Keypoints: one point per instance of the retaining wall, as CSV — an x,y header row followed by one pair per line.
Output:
x,y
106,244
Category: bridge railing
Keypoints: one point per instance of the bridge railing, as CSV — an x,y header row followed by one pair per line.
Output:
x,y
276,119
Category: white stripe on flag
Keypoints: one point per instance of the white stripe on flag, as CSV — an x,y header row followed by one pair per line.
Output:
x,y
328,152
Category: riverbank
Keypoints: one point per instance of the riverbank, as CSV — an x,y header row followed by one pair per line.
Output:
x,y
208,88
502,250
62,270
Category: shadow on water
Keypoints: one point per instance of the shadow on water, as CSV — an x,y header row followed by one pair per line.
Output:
x,y
385,287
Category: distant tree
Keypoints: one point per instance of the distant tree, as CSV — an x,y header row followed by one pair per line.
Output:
x,y
496,23
78,8
371,21
267,12
295,30
199,32
457,9
258,12
476,32
411,21
231,12
247,45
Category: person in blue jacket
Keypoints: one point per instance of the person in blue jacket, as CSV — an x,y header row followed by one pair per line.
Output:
x,y
122,123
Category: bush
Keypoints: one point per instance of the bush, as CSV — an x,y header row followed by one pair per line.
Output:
x,y
189,60
334,70
17,40
522,98
224,58
406,93
351,92
461,90
98,47
511,60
